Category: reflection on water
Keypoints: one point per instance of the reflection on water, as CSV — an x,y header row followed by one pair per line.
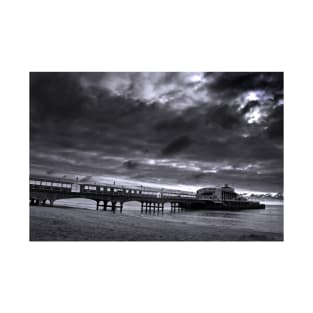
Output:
x,y
269,220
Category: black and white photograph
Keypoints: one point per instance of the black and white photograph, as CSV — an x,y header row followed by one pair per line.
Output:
x,y
156,156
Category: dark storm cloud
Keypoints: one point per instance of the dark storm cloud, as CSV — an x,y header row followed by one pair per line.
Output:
x,y
176,145
160,127
276,124
175,124
56,95
231,85
224,116
130,164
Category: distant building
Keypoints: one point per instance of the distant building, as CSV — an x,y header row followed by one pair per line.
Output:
x,y
215,193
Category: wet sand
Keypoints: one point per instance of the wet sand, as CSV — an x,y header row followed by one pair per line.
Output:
x,y
75,224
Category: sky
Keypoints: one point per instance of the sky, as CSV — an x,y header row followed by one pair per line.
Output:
x,y
173,129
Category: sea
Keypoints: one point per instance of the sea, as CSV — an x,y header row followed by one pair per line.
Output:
x,y
270,219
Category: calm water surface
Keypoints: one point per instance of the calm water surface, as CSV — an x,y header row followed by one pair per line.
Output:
x,y
268,220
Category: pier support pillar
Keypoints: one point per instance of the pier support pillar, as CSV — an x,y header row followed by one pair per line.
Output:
x,y
121,207
105,205
141,209
113,206
97,206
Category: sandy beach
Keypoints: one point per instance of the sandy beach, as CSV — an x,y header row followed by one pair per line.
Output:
x,y
76,224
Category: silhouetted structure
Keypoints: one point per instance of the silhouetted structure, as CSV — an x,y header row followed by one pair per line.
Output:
x,y
44,190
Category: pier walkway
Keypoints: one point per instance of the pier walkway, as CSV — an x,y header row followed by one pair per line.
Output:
x,y
44,191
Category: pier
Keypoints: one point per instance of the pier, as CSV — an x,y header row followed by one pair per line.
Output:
x,y
45,191
109,197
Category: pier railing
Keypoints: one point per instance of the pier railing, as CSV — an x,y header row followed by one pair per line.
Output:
x,y
66,185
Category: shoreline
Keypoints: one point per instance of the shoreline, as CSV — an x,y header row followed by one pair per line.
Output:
x,y
61,223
